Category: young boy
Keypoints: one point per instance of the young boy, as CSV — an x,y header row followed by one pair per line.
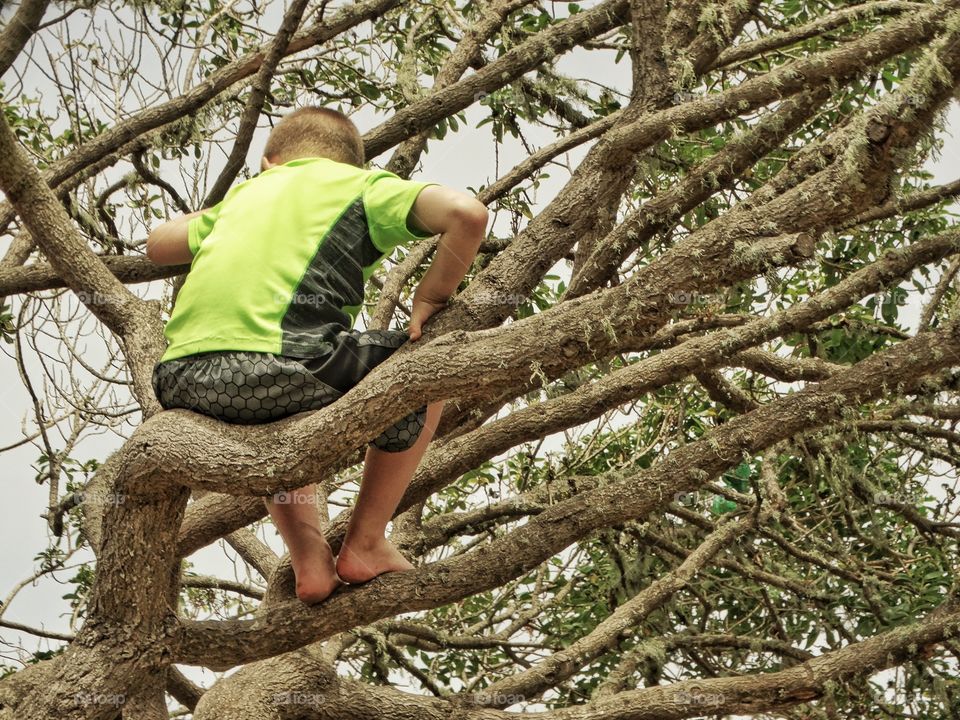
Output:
x,y
261,328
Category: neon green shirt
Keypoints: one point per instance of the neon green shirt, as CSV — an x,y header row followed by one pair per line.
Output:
x,y
280,264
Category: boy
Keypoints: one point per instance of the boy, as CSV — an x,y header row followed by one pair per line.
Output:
x,y
261,328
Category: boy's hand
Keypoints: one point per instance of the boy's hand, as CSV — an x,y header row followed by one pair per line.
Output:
x,y
461,221
422,310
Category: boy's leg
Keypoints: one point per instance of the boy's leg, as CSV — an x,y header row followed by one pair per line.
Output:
x,y
365,552
214,384
295,516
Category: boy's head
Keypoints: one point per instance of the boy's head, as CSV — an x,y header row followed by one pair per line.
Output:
x,y
314,132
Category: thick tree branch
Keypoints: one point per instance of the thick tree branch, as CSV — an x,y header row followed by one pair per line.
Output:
x,y
547,44
252,464
19,30
781,40
220,645
670,365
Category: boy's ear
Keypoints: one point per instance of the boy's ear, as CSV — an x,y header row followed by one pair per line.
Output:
x,y
265,164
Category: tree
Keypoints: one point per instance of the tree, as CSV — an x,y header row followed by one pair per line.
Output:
x,y
738,510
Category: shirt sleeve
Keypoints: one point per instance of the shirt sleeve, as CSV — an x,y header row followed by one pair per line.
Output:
x,y
201,226
387,200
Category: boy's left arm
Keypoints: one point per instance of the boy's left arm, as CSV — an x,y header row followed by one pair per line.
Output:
x,y
168,244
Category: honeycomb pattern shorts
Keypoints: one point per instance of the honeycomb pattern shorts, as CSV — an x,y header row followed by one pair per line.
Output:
x,y
253,387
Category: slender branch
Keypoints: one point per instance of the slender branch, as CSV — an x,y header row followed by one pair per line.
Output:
x,y
208,582
37,631
562,665
258,93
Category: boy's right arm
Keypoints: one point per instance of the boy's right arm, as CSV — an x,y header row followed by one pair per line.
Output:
x,y
169,243
461,222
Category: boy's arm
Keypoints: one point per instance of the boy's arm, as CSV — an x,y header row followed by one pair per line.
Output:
x,y
461,221
168,244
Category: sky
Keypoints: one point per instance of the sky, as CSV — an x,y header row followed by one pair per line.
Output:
x,y
23,533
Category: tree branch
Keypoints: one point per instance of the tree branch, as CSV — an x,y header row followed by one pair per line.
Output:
x,y
19,30
258,93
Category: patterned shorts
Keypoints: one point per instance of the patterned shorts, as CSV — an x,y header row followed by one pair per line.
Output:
x,y
238,386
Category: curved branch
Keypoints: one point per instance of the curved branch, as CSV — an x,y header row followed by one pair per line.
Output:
x,y
220,645
837,19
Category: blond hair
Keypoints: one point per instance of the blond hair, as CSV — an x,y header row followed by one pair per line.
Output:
x,y
313,132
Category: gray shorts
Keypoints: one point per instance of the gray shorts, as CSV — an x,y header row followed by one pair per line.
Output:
x,y
238,386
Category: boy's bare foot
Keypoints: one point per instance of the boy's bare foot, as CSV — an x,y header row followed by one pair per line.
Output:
x,y
362,560
317,577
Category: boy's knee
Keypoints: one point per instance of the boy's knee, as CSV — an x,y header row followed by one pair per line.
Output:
x,y
403,434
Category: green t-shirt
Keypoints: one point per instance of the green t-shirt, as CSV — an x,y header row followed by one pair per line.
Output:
x,y
280,264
